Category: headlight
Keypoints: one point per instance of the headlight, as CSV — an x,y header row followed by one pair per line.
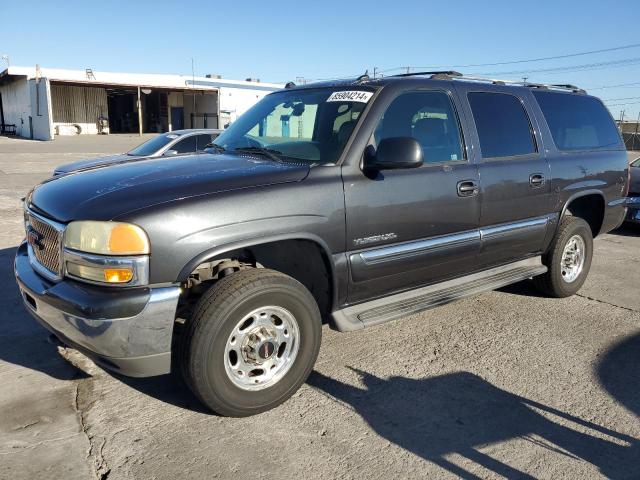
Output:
x,y
108,253
106,238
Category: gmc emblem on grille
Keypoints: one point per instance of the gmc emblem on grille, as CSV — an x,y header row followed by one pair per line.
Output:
x,y
33,239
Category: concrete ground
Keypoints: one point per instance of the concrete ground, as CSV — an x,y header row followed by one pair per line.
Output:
x,y
506,384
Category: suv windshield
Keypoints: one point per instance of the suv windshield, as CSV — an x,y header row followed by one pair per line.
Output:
x,y
311,125
152,146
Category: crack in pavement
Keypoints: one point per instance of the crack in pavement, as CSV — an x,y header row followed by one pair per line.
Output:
x,y
100,468
607,303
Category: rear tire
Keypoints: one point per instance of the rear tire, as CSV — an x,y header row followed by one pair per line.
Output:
x,y
254,320
568,259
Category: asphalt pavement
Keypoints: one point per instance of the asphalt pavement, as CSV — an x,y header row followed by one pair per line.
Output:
x,y
505,384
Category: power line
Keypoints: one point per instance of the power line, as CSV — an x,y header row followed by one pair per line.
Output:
x,y
540,59
574,68
614,86
619,99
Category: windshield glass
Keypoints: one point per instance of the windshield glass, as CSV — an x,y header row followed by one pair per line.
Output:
x,y
152,146
310,125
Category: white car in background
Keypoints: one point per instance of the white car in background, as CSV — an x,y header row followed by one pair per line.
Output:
x,y
178,142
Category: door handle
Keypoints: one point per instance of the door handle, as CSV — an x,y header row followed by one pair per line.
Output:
x,y
467,188
536,179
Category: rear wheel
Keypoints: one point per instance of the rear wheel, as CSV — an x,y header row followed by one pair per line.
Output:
x,y
251,342
568,259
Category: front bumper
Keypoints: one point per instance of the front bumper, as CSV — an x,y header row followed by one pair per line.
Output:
x,y
128,330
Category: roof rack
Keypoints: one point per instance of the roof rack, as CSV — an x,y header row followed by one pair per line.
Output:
x,y
433,74
453,75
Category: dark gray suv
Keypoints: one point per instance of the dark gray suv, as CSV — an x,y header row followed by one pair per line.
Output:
x,y
356,201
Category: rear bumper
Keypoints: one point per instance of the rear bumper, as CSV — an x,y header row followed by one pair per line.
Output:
x,y
125,330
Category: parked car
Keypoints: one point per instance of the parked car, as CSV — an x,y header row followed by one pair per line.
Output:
x,y
633,200
357,201
178,142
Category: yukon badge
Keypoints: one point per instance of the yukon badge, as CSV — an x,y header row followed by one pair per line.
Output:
x,y
359,242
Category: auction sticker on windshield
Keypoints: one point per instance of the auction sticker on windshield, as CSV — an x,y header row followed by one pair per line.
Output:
x,y
350,96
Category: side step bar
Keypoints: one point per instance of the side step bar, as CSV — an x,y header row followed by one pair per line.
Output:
x,y
385,309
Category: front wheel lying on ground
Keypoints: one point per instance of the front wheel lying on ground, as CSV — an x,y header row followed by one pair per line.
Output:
x,y
568,259
251,342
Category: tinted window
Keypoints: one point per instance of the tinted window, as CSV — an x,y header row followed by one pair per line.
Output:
x,y
428,117
503,125
186,145
578,122
203,140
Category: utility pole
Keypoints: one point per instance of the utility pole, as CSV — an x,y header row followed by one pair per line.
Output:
x,y
524,80
374,71
408,70
139,113
5,57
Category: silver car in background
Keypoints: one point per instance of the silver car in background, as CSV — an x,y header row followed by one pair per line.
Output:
x,y
167,144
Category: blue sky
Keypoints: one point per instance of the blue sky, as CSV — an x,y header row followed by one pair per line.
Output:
x,y
279,41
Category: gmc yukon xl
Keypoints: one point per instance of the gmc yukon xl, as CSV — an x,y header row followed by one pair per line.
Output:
x,y
357,201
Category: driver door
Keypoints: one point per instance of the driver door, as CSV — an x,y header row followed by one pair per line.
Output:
x,y
411,227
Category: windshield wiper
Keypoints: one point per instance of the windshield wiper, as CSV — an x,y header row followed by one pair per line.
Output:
x,y
219,148
266,152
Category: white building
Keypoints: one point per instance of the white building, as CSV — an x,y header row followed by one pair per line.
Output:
x,y
41,103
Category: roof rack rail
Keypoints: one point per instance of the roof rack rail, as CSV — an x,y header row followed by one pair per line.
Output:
x,y
453,75
542,86
434,74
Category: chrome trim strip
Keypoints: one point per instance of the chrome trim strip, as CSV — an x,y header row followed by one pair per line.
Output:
x,y
510,227
139,265
412,248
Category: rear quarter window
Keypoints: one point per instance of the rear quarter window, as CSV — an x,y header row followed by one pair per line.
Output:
x,y
578,122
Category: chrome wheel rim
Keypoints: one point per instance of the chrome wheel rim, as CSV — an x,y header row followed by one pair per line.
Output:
x,y
573,257
261,348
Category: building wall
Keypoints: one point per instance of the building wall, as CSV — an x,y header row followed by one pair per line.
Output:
x,y
235,101
40,96
206,102
77,108
17,106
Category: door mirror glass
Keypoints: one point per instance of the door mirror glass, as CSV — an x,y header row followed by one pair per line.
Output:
x,y
393,153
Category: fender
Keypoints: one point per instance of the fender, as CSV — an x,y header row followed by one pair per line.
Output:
x,y
582,193
255,241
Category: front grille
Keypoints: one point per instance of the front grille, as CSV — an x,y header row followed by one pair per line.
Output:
x,y
47,247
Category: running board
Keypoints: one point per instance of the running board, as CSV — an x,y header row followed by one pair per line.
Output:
x,y
385,309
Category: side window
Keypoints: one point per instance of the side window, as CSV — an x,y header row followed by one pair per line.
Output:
x,y
186,145
203,140
578,122
429,117
502,123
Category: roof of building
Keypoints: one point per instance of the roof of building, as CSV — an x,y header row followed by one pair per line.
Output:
x,y
150,80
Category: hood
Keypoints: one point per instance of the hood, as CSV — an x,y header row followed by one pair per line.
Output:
x,y
104,193
94,162
634,183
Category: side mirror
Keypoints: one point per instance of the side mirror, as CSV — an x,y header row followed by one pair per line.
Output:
x,y
170,153
393,153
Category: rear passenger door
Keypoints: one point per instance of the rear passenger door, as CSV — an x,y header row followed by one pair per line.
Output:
x,y
515,186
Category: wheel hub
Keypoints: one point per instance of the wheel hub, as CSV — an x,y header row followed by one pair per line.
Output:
x,y
573,257
260,345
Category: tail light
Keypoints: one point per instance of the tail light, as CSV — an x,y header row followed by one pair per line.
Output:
x,y
625,187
